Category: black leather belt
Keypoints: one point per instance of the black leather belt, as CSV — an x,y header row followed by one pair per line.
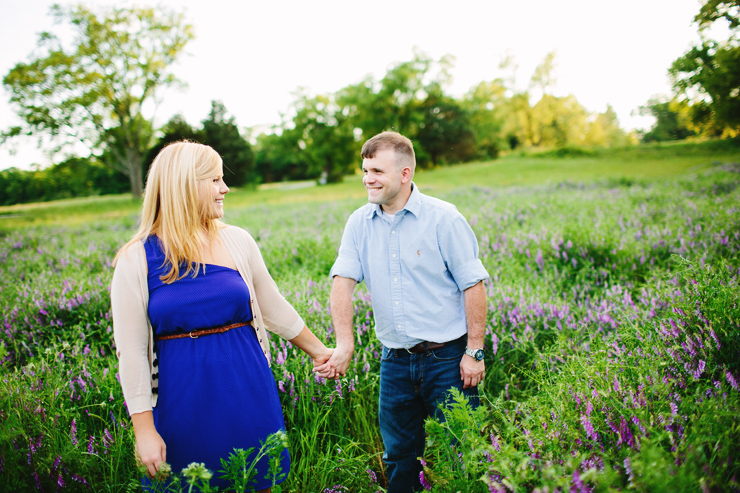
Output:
x,y
422,347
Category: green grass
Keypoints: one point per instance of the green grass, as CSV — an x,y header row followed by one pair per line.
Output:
x,y
629,163
596,323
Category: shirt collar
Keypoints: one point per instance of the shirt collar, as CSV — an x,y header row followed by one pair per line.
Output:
x,y
413,204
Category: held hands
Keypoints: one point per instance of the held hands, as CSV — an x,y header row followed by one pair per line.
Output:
x,y
471,371
336,366
321,363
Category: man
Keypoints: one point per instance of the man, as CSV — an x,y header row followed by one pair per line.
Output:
x,y
419,259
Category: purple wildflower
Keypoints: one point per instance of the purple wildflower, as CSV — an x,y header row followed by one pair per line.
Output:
x,y
674,409
539,260
731,379
495,443
73,432
91,445
628,469
625,434
577,486
588,428
637,422
373,477
107,439
424,483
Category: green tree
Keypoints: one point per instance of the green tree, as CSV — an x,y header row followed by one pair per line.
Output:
x,y
325,137
445,133
279,157
714,10
95,90
604,130
669,124
175,130
485,104
221,132
708,75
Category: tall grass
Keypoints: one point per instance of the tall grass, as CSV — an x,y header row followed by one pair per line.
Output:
x,y
612,339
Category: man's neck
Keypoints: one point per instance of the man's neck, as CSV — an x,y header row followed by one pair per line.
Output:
x,y
401,200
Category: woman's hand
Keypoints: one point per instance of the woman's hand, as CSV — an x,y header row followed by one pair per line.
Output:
x,y
151,450
321,366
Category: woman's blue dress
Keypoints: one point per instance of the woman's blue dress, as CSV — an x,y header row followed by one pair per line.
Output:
x,y
216,392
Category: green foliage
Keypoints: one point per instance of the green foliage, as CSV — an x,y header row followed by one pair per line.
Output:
x,y
95,90
174,130
669,123
75,177
712,71
594,325
707,77
221,132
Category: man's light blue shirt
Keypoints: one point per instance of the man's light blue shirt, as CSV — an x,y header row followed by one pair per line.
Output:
x,y
416,265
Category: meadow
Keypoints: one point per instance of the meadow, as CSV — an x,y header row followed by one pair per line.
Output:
x,y
613,335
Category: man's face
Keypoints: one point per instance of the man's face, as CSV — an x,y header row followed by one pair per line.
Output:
x,y
382,179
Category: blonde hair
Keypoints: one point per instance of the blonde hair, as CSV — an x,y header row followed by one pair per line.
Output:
x,y
172,209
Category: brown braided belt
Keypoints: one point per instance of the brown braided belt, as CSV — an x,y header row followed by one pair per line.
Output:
x,y
204,332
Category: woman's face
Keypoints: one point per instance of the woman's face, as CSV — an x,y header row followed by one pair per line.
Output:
x,y
212,191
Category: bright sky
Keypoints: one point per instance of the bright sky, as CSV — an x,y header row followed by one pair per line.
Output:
x,y
253,55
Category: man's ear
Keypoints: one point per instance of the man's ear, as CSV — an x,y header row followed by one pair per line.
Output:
x,y
406,174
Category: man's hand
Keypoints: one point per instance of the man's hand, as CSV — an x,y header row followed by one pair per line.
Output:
x,y
472,372
336,366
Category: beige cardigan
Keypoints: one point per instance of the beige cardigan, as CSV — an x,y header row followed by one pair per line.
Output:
x,y
132,332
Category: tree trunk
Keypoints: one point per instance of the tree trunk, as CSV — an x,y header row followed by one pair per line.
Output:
x,y
133,165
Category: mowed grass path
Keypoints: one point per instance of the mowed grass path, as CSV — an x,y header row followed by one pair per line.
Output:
x,y
629,163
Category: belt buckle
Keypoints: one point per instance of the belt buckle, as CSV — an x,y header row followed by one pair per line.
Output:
x,y
191,335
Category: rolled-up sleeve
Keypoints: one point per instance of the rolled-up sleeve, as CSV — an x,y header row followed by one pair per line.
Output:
x,y
459,248
348,262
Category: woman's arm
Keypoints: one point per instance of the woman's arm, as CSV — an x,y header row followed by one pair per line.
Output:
x,y
131,329
150,447
317,350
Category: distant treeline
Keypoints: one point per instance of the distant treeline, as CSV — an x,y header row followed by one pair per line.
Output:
x,y
75,177
322,135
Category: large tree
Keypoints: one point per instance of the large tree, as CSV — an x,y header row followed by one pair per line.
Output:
x,y
221,132
96,90
708,75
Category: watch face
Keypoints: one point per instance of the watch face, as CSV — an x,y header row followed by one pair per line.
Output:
x,y
479,355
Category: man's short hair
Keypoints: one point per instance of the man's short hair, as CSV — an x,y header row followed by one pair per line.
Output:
x,y
392,141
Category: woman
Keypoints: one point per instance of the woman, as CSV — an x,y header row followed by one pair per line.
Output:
x,y
191,299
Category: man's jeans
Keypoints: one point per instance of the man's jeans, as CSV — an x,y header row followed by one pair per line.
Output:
x,y
411,386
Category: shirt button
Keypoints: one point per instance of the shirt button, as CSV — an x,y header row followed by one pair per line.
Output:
x,y
393,232
394,255
395,279
399,326
396,302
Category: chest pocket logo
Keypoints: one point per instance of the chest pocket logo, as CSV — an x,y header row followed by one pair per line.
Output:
x,y
418,253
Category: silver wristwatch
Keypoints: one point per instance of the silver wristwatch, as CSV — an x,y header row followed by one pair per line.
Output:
x,y
477,354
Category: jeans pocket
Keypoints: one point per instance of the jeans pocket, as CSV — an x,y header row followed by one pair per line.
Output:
x,y
387,354
448,353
